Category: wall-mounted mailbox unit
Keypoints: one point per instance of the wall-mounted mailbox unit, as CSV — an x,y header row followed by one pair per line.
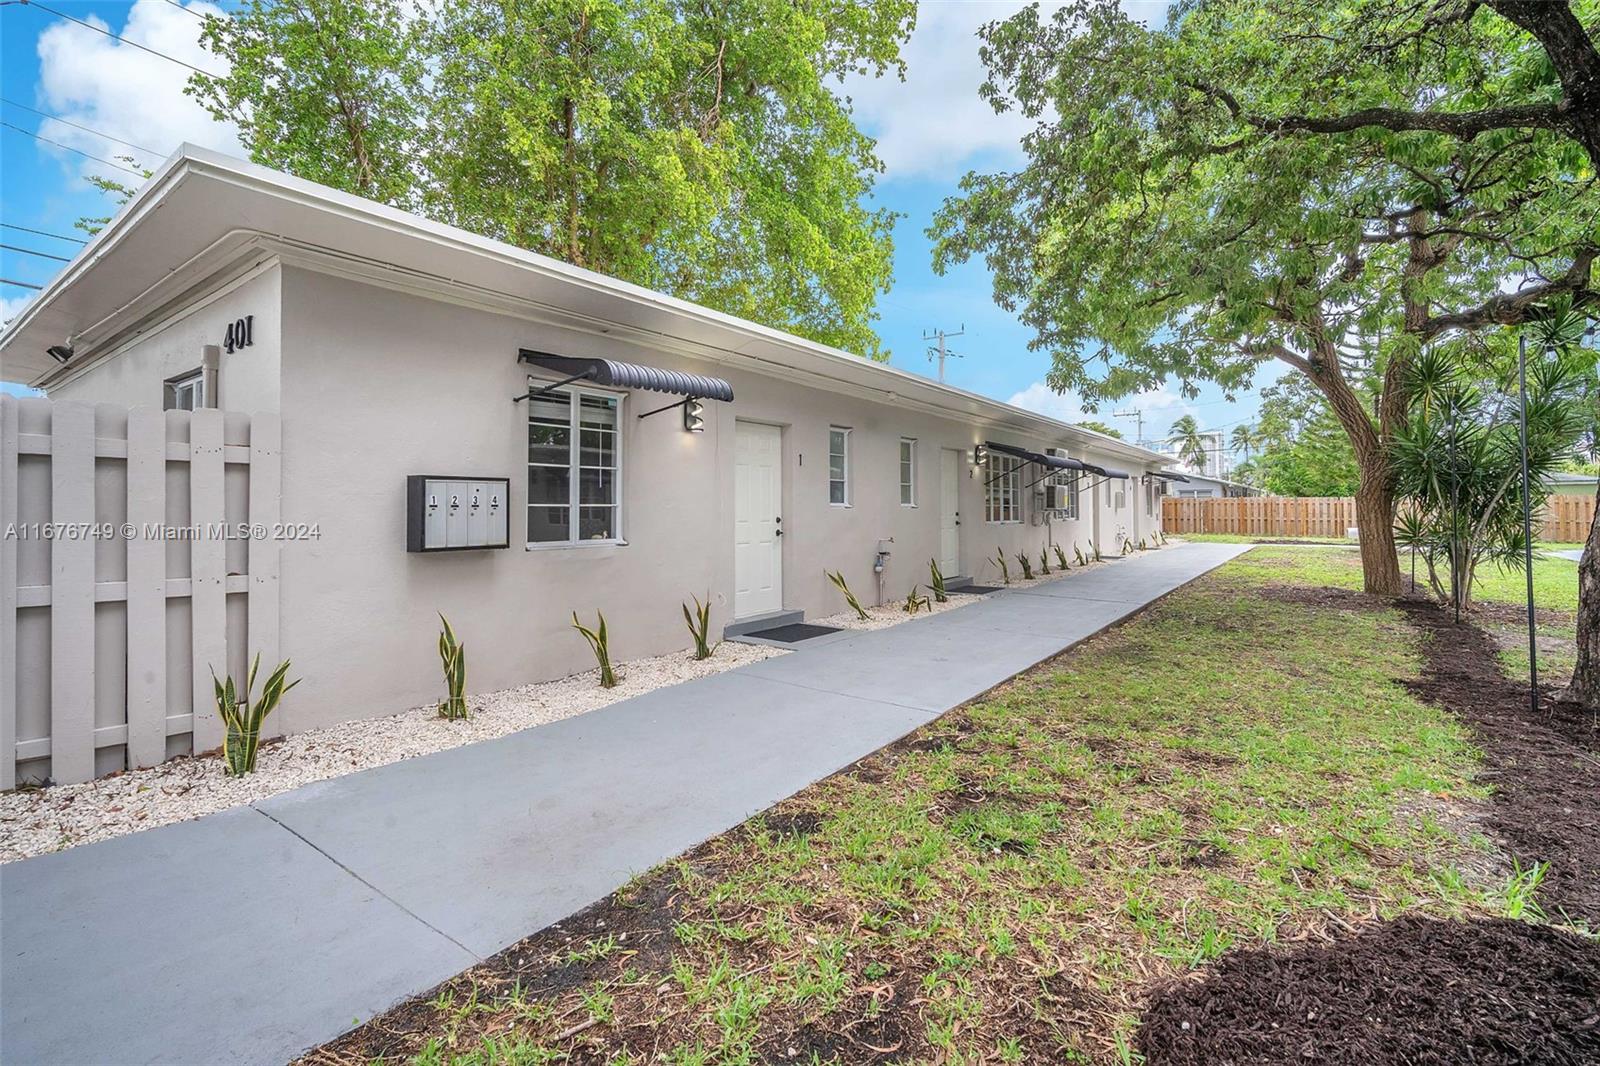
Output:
x,y
446,514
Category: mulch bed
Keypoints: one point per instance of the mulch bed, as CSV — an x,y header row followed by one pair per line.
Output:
x,y
1544,768
1414,990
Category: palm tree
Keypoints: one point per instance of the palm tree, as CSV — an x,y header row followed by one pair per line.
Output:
x,y
1244,438
1191,445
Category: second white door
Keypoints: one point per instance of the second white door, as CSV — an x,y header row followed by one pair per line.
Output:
x,y
757,520
950,512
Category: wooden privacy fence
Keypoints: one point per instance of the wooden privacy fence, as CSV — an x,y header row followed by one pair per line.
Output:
x,y
1565,518
138,553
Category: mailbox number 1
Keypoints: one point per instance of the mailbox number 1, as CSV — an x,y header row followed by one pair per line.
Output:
x,y
241,333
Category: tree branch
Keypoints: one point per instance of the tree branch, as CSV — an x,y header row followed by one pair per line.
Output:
x,y
1508,309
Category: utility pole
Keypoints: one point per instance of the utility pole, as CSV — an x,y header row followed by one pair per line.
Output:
x,y
1138,417
942,352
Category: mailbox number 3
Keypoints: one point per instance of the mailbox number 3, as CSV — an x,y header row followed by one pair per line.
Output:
x,y
241,333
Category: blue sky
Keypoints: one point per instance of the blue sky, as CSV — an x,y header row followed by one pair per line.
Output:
x,y
932,128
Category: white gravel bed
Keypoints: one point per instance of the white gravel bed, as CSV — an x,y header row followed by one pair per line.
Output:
x,y
36,821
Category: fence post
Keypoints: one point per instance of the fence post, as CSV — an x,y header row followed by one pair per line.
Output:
x,y
8,594
261,625
72,576
207,573
147,588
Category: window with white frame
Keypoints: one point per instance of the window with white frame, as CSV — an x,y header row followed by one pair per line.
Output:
x,y
574,467
839,466
1061,489
908,472
1149,495
186,392
1002,490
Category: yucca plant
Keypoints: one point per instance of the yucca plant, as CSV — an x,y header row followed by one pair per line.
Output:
x,y
1061,557
242,718
1027,567
599,644
1005,571
1077,552
837,577
453,655
699,621
915,603
1044,562
936,581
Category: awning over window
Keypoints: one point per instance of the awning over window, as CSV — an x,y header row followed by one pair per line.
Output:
x,y
1104,471
617,375
1053,462
1172,475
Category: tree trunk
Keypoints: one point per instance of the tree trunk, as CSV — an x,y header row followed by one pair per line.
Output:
x,y
1585,687
1572,55
1380,564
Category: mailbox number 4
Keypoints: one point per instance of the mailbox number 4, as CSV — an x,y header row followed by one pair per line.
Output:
x,y
241,334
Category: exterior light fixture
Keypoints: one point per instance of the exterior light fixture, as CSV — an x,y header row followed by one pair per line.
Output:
x,y
980,455
60,353
694,415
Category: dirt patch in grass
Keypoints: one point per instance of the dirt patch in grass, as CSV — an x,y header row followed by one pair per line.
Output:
x,y
1517,614
1414,990
1544,768
1323,597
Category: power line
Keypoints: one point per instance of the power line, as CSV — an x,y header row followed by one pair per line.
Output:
x,y
117,37
43,233
30,251
69,148
77,125
187,10
20,284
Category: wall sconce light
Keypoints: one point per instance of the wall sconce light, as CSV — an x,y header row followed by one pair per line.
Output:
x,y
980,455
694,415
60,353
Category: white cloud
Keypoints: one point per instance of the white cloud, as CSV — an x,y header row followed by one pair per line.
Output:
x,y
12,306
934,124
1161,407
107,85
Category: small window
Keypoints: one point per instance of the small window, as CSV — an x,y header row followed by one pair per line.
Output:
x,y
908,472
839,466
1002,490
186,392
574,468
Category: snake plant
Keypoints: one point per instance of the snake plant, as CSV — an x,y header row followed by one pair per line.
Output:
x,y
242,717
1005,571
1061,557
1027,567
453,656
837,577
598,643
699,621
936,581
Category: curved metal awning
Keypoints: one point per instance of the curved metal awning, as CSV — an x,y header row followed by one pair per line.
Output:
x,y
1053,462
1105,471
1172,475
619,375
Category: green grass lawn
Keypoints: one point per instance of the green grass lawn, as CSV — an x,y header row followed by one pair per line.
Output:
x,y
1237,766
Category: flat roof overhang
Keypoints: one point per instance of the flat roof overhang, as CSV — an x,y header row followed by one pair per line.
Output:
x,y
205,215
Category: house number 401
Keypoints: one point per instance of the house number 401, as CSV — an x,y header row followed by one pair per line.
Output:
x,y
241,333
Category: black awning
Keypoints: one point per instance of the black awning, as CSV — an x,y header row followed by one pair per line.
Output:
x,y
617,375
1172,475
1053,462
1104,471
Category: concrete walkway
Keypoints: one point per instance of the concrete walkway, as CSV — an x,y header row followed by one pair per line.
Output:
x,y
252,935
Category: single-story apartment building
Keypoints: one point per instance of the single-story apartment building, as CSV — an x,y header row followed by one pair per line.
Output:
x,y
471,429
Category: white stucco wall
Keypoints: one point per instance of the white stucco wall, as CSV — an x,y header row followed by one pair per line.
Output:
x,y
132,373
379,384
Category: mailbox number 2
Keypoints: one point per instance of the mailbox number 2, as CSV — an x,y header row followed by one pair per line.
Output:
x,y
241,333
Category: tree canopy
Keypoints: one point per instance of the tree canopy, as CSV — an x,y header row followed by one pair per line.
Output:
x,y
1301,450
697,150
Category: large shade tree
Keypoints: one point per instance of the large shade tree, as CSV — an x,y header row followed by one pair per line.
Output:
x,y
699,149
1332,187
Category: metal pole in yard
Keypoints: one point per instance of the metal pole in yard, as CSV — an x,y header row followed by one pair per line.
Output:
x,y
1527,523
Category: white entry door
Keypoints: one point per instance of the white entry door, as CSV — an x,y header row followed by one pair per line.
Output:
x,y
757,520
950,512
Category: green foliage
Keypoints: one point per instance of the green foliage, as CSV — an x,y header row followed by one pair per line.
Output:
x,y
1005,570
1457,460
915,603
1077,553
1264,180
1027,567
1301,448
1044,562
1191,445
1101,427
1061,557
837,577
699,623
599,643
242,717
1094,549
704,151
453,657
936,581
